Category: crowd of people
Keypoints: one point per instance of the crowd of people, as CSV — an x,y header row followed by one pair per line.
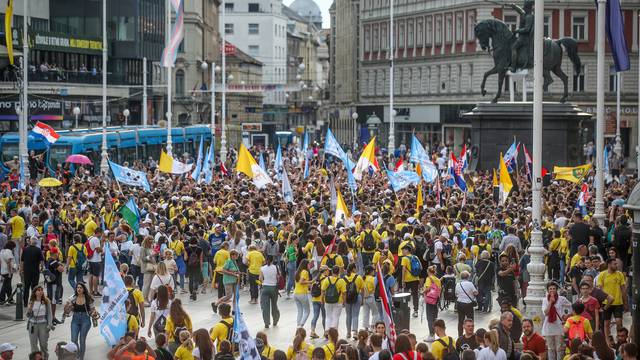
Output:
x,y
230,239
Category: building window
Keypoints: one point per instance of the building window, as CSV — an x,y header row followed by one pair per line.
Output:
x,y
511,21
228,6
367,39
579,27
547,26
459,27
401,39
384,39
438,30
181,46
449,34
180,83
428,31
410,34
420,32
228,29
254,50
578,81
376,40
471,24
613,79
254,7
254,29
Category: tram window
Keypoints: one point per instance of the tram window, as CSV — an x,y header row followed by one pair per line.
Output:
x,y
9,151
153,151
142,152
128,154
114,155
58,154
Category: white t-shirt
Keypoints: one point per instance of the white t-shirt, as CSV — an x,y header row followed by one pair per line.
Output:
x,y
488,354
158,280
94,243
437,246
461,288
556,327
158,312
196,353
126,245
270,275
135,254
6,256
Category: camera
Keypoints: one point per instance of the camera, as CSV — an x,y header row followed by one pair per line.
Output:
x,y
94,321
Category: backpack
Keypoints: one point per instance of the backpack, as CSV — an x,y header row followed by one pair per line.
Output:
x,y
416,266
421,246
331,261
369,243
376,295
449,352
352,291
194,259
576,328
449,288
331,294
81,258
230,334
159,324
432,294
316,289
133,309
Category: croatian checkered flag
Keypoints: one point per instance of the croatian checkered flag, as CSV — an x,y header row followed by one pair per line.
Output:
x,y
386,310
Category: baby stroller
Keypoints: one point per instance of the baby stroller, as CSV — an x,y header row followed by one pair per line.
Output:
x,y
448,291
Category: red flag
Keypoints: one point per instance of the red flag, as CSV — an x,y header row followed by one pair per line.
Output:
x,y
223,169
386,311
328,249
399,165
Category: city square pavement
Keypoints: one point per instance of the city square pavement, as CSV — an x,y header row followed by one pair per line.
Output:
x,y
280,336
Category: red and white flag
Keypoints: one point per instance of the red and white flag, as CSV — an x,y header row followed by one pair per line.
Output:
x,y
399,166
46,132
223,169
386,311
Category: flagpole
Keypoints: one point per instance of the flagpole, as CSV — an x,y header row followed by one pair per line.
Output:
x,y
600,55
104,165
144,93
391,111
24,115
638,126
618,145
167,38
223,124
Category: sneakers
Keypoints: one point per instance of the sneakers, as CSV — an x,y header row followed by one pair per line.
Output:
x,y
314,335
415,314
429,339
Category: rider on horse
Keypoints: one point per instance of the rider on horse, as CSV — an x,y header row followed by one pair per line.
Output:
x,y
524,36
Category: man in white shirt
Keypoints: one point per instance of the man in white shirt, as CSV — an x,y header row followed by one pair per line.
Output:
x,y
465,297
95,261
32,231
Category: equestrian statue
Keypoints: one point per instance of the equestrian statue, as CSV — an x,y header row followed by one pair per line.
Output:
x,y
514,50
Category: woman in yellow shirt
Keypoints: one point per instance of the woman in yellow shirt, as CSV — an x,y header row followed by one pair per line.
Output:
x,y
316,301
219,259
299,345
177,246
186,347
432,290
301,292
267,350
369,306
254,260
177,318
353,298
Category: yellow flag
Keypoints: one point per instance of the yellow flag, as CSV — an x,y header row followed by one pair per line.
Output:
x,y
419,170
342,212
8,33
419,201
573,174
245,160
505,181
495,178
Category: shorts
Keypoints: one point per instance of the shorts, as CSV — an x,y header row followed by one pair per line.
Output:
x,y
94,268
615,310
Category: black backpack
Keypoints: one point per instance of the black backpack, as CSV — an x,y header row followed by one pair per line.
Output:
x,y
331,294
133,309
159,324
331,261
194,258
369,243
316,289
449,352
352,291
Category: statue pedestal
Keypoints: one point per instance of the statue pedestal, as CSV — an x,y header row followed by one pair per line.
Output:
x,y
494,126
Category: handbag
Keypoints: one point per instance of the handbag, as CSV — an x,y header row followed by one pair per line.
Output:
x,y
432,295
281,282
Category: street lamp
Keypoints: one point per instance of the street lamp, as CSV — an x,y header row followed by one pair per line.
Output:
x,y
373,122
76,112
301,67
354,116
230,77
204,66
126,114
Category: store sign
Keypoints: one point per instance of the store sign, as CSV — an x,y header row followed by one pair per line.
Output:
x,y
61,41
252,127
39,109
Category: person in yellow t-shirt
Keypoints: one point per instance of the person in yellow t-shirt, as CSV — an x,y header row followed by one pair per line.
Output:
x,y
575,259
184,351
332,260
221,330
353,300
369,306
76,274
442,342
254,260
301,292
333,289
17,226
300,345
89,226
268,351
219,259
432,309
368,243
410,281
316,300
577,325
614,283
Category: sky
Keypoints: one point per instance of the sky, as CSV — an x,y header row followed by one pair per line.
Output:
x,y
324,7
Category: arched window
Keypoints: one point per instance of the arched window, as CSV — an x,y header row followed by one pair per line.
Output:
x,y
180,83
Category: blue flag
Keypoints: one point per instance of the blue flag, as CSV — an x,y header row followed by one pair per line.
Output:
x,y
207,172
113,315
332,146
510,156
129,176
261,162
605,156
278,165
287,191
306,167
402,179
615,33
420,156
351,180
198,170
246,345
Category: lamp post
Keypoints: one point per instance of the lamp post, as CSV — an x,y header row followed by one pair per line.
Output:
x,y
392,112
126,114
354,116
145,114
599,208
76,113
104,165
223,114
169,78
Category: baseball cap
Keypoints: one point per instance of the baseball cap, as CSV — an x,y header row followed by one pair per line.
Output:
x,y
7,347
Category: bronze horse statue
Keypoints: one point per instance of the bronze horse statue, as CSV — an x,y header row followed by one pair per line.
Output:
x,y
496,37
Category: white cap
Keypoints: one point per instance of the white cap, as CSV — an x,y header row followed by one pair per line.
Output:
x,y
483,222
71,347
7,347
407,236
356,213
411,220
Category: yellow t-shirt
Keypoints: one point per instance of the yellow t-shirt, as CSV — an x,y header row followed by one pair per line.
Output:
x,y
220,331
376,237
308,250
588,330
574,260
611,283
137,296
132,323
369,285
177,246
72,254
329,350
90,227
183,353
170,328
304,348
340,285
429,280
337,259
108,218
17,227
268,351
255,260
302,289
437,347
220,258
406,273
